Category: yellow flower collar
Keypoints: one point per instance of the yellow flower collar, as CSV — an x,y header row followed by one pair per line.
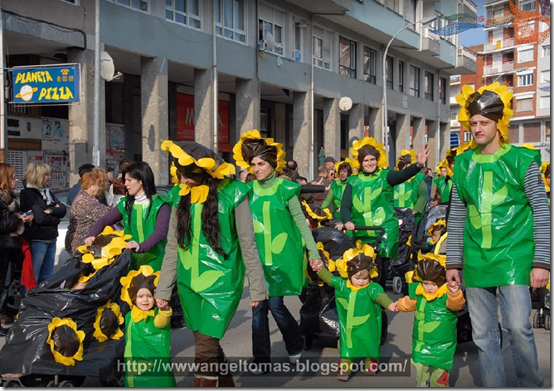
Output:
x,y
310,212
356,288
198,194
359,144
138,315
430,297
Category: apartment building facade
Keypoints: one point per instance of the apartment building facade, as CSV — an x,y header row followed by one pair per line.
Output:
x,y
190,67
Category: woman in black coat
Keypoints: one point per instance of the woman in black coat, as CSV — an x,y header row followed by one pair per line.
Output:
x,y
12,224
47,211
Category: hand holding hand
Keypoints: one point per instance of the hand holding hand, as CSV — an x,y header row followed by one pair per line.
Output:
x,y
162,304
316,264
393,307
453,289
453,278
254,304
539,278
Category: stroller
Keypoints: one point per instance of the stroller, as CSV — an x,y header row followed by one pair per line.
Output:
x,y
27,359
318,314
542,316
403,263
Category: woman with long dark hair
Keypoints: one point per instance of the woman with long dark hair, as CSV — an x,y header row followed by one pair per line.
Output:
x,y
210,246
145,216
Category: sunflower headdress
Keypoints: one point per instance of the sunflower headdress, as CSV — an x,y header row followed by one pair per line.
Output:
x,y
252,145
492,101
66,342
369,144
322,215
137,279
430,267
437,224
107,322
197,161
544,167
444,164
343,164
406,156
356,259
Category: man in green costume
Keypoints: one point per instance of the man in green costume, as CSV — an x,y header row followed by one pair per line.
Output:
x,y
498,233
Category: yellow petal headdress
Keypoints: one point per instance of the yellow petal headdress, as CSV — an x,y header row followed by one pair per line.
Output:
x,y
242,161
359,144
435,225
543,168
325,257
345,161
107,321
127,282
107,252
405,152
431,267
66,342
327,214
466,97
366,249
444,164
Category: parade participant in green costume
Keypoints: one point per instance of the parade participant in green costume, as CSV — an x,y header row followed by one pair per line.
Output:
x,y
498,233
412,193
368,196
147,332
435,305
210,245
342,171
145,216
280,226
358,300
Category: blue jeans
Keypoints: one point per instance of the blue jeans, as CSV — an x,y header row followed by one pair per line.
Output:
x,y
261,344
44,255
515,306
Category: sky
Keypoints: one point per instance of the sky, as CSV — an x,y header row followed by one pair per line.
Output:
x,y
475,36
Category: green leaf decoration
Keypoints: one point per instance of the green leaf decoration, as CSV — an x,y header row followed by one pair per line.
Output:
x,y
379,216
278,243
358,320
343,302
500,195
185,257
474,217
429,326
375,193
258,226
206,280
358,204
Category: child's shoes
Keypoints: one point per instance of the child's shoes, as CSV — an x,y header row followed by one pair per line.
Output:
x,y
370,366
345,370
343,375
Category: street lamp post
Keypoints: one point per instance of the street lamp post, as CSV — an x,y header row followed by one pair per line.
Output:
x,y
385,127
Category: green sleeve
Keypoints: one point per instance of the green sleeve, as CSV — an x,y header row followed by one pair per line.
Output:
x,y
328,199
384,300
421,197
346,204
300,221
397,177
325,276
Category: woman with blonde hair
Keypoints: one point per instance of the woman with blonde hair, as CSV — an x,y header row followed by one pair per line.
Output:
x,y
87,209
11,226
47,212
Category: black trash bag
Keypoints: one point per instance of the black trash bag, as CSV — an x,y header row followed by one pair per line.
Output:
x,y
26,344
318,314
334,241
402,264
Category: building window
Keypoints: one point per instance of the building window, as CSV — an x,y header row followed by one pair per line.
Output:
x,y
271,29
370,65
532,132
401,76
525,55
264,123
393,5
442,90
544,102
322,48
525,80
454,90
230,20
525,104
141,5
414,81
429,86
347,57
527,5
389,70
546,51
186,12
545,77
76,2
298,34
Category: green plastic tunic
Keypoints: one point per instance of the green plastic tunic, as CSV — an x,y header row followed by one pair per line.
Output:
x,y
415,181
338,190
492,187
143,224
434,335
209,286
372,204
359,318
444,188
147,348
277,237
404,195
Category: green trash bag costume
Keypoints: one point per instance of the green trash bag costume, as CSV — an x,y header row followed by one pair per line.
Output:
x,y
337,187
143,224
495,207
444,188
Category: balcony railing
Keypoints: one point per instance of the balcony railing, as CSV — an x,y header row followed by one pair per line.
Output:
x,y
498,21
465,52
454,123
455,78
494,69
499,44
493,1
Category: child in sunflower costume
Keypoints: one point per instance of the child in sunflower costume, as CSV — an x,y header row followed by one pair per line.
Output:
x,y
208,251
368,198
316,216
436,305
147,332
358,300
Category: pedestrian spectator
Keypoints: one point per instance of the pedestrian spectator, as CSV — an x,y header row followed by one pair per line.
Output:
x,y
118,186
278,225
86,209
434,302
428,181
12,225
145,217
321,156
498,234
334,196
329,163
209,247
293,167
320,180
358,301
368,197
47,212
87,167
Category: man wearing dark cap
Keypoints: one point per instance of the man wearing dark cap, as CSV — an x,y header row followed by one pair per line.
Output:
x,y
87,167
498,233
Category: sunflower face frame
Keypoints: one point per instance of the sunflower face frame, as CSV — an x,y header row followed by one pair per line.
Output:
x,y
127,281
255,134
65,326
368,141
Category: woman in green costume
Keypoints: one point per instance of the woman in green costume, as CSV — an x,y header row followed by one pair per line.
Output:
x,y
209,247
443,183
342,171
368,197
145,216
411,194
279,226
358,300
436,305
